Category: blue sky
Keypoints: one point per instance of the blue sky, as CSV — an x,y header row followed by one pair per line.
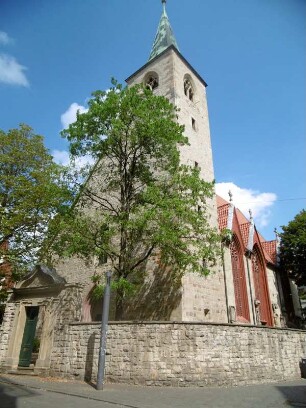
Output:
x,y
251,53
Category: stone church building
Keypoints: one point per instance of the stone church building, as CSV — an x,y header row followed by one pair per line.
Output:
x,y
49,319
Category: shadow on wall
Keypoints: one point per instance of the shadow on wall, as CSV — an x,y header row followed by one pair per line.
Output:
x,y
295,395
158,297
90,359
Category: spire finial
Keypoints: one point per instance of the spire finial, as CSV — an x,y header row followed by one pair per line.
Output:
x,y
230,195
251,232
164,5
230,211
164,37
276,234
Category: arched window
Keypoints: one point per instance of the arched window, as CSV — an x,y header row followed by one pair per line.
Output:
x,y
151,81
92,308
262,303
241,297
188,87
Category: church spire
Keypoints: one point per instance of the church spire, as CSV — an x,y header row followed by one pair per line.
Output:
x,y
164,36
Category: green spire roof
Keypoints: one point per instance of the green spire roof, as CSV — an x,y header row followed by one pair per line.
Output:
x,y
164,36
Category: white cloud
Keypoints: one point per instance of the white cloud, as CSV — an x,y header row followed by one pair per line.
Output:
x,y
245,199
11,72
5,39
62,157
69,116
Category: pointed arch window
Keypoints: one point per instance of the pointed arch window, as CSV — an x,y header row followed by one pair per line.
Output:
x,y
261,288
151,81
188,87
241,297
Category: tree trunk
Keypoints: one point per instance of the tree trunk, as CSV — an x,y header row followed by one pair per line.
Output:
x,y
119,305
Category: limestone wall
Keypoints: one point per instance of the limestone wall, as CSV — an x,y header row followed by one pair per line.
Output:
x,y
180,354
6,329
275,296
203,297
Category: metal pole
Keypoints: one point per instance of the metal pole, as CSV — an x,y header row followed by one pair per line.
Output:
x,y
104,327
225,284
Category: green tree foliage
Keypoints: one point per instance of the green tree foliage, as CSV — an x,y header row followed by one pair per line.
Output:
x,y
293,248
139,200
32,190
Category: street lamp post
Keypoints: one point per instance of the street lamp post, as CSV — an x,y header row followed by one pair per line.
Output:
x,y
104,328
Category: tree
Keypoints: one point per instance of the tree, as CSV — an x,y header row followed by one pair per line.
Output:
x,y
138,199
32,190
293,248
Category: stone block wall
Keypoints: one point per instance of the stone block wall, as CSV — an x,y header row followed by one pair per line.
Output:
x,y
6,329
180,354
203,298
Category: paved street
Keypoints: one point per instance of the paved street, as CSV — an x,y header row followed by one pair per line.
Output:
x,y
32,392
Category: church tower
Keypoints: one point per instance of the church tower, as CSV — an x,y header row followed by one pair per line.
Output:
x,y
169,74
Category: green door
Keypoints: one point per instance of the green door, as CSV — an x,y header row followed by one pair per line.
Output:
x,y
28,336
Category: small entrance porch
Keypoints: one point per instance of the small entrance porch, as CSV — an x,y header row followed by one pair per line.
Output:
x,y
36,300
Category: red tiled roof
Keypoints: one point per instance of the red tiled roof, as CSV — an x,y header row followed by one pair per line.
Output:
x,y
221,201
244,229
261,242
222,206
270,248
242,219
222,216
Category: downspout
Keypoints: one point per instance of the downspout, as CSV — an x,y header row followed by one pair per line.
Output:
x,y
227,239
225,284
248,254
278,276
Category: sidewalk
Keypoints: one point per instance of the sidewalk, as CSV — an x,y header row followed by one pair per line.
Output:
x,y
74,393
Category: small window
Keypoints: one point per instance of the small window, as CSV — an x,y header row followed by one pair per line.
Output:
x,y
188,89
193,124
196,164
199,209
102,258
151,81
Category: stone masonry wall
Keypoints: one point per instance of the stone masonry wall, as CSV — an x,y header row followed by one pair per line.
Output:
x,y
202,299
6,328
180,354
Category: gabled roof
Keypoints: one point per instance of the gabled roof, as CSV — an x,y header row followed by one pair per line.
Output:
x,y
268,247
221,201
39,276
170,48
222,216
245,232
165,42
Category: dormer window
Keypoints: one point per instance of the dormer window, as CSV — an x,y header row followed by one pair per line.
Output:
x,y
188,88
151,81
